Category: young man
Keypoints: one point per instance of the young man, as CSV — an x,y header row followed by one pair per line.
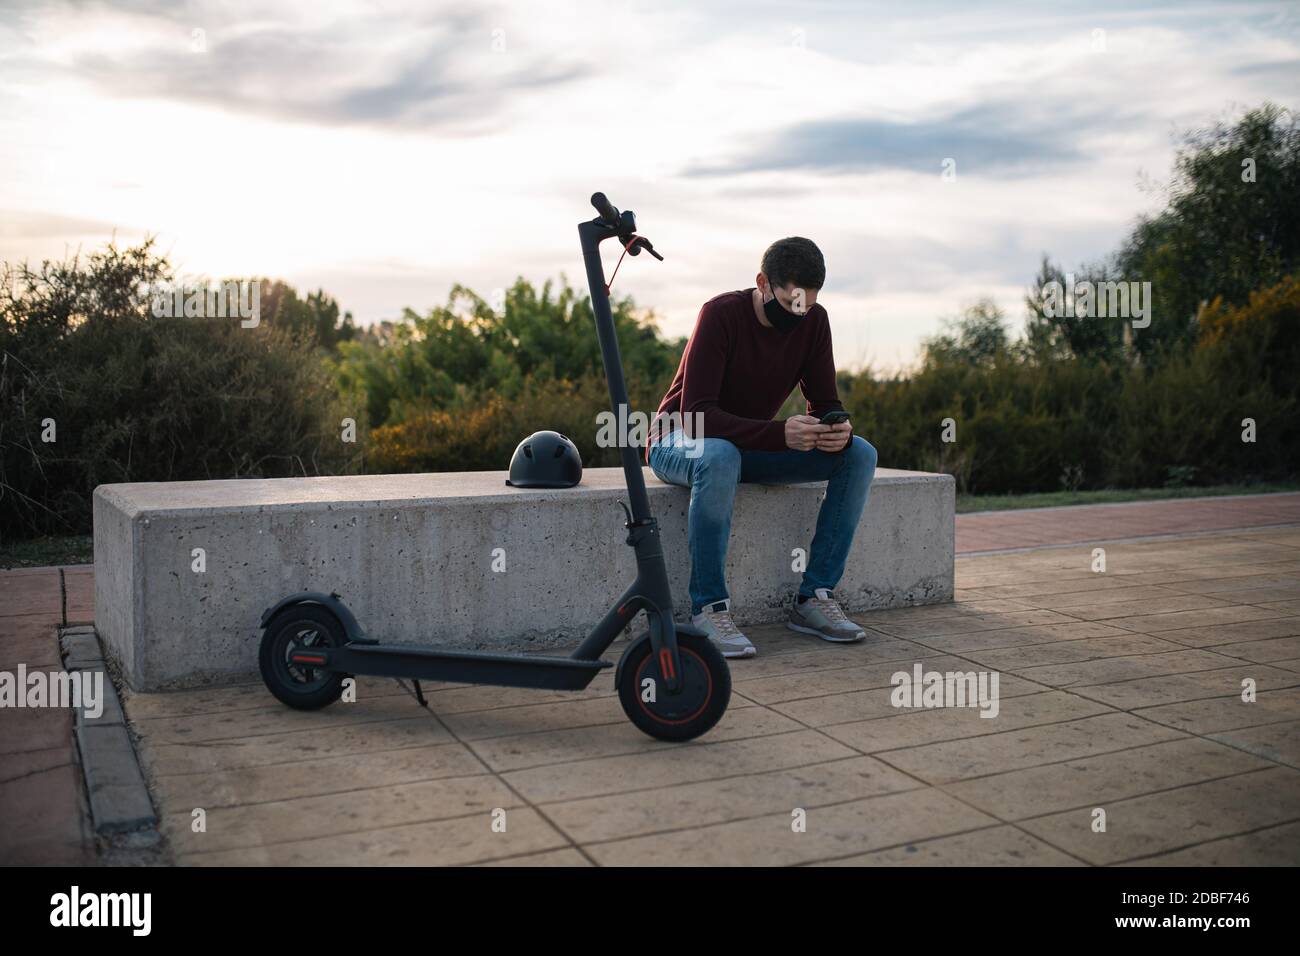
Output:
x,y
748,351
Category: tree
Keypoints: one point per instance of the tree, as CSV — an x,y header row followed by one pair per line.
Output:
x,y
1232,225
1051,337
978,337
316,317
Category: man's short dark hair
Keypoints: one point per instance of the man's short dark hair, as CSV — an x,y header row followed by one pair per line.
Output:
x,y
796,260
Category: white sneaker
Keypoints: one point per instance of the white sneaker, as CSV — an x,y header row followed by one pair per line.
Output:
x,y
716,621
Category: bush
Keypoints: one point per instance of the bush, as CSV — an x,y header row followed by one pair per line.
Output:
x,y
483,436
132,397
1032,425
456,356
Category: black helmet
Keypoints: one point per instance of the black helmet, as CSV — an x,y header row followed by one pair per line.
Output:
x,y
545,460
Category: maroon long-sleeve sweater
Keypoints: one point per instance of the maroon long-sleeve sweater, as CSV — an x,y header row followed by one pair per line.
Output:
x,y
738,372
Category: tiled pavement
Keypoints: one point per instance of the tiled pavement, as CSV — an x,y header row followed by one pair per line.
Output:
x,y
1120,691
43,819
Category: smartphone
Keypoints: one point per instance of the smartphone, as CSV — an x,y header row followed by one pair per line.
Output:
x,y
835,418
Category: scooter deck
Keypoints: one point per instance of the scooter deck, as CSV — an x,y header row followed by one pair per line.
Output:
x,y
454,666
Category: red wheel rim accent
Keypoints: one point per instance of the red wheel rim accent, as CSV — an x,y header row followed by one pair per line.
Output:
x,y
708,694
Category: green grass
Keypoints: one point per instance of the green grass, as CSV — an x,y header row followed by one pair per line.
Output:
x,y
42,552
79,549
1057,499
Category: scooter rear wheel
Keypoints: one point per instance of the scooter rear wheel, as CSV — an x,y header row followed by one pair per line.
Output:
x,y
694,709
293,629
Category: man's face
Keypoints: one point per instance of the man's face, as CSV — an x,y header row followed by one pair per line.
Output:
x,y
791,297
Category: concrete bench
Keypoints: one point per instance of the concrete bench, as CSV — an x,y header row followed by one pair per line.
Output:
x,y
459,559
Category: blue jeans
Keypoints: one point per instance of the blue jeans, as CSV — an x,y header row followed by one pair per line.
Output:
x,y
712,475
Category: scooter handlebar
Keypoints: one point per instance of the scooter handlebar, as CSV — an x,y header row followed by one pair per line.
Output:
x,y
607,210
610,215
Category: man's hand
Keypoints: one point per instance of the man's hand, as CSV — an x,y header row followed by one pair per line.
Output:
x,y
804,433
833,438
801,432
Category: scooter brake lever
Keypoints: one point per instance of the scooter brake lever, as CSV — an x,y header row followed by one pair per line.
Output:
x,y
649,248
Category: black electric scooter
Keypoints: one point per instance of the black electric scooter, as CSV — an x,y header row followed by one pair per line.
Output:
x,y
672,682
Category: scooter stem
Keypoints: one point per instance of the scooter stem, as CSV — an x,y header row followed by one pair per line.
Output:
x,y
591,234
651,591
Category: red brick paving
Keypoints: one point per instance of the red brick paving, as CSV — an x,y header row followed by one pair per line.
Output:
x,y
1037,527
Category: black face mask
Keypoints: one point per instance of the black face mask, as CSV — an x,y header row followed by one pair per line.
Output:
x,y
782,319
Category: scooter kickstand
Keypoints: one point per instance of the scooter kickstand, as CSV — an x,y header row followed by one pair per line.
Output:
x,y
419,694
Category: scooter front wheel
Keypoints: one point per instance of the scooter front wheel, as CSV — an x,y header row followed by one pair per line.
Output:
x,y
693,710
296,628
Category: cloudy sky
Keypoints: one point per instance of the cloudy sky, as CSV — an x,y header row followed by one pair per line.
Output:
x,y
386,150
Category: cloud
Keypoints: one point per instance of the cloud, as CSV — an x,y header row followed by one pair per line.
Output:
x,y
33,224
847,136
999,140
1287,70
437,69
